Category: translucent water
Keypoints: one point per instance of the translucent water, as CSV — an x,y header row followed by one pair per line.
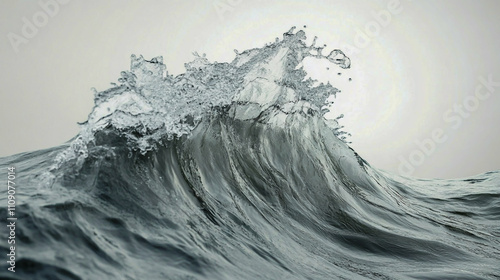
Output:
x,y
231,171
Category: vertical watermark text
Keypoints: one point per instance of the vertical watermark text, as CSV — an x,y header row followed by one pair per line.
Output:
x,y
11,218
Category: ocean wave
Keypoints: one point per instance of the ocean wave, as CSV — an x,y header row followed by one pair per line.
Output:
x,y
231,171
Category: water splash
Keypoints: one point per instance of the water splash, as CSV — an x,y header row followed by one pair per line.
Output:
x,y
149,106
262,187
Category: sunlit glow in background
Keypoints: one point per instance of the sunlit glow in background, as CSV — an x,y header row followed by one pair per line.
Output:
x,y
426,59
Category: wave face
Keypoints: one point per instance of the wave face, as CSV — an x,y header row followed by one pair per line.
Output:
x,y
230,171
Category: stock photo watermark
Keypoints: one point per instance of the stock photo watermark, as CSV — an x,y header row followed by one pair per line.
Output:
x,y
455,117
373,28
223,7
11,218
362,37
32,25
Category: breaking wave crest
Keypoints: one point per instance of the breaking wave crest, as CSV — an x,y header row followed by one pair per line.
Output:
x,y
231,171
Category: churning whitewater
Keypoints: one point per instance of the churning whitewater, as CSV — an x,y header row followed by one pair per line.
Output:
x,y
231,171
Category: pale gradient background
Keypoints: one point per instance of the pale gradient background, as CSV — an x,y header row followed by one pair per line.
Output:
x,y
428,58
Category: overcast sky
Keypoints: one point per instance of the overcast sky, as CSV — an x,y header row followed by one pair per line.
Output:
x,y
416,68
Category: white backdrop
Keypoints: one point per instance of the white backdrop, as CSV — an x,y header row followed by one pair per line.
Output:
x,y
415,106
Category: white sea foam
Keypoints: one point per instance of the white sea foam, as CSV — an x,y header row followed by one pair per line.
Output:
x,y
149,105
